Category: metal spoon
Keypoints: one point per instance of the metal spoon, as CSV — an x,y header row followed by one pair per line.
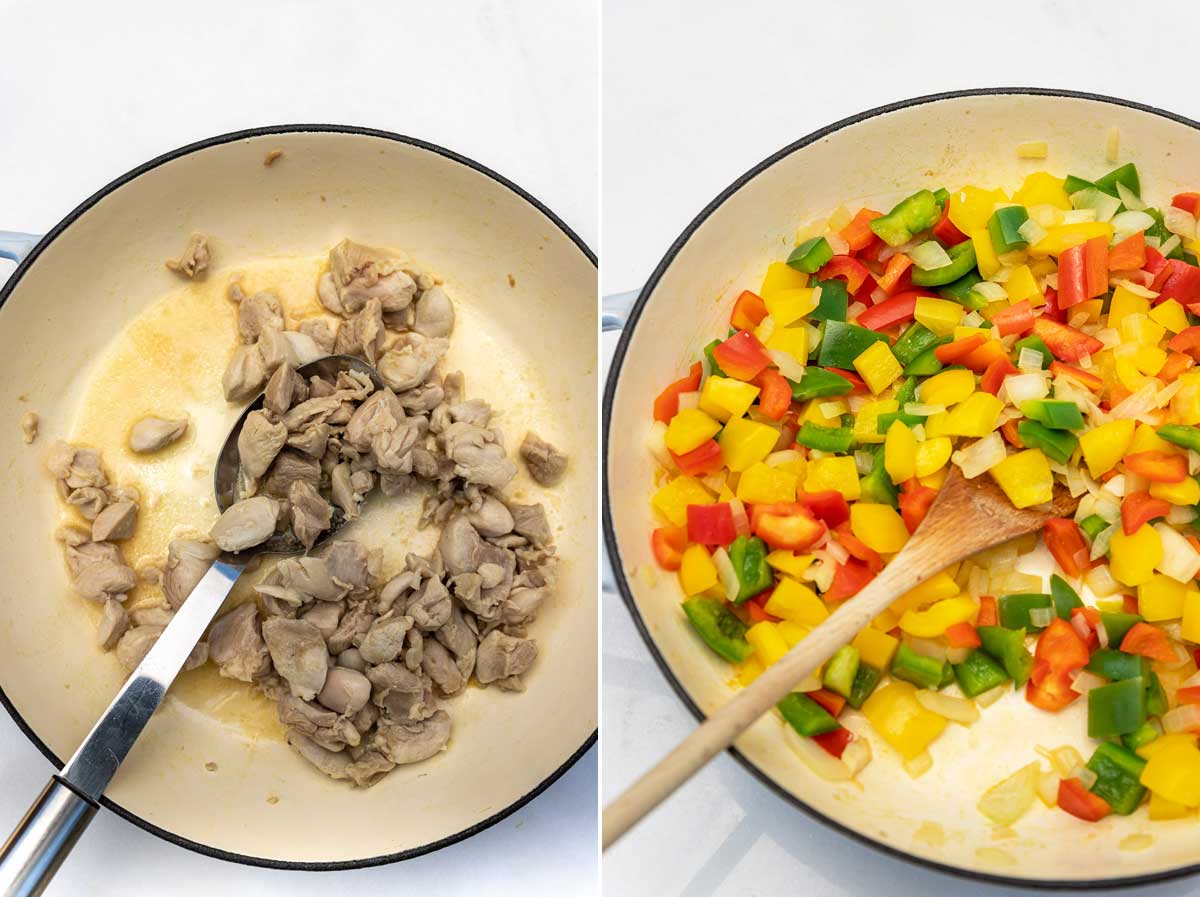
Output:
x,y
51,827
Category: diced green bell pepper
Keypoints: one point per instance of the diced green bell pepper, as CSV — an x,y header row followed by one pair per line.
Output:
x,y
1064,597
907,391
1142,737
1116,625
947,675
1008,647
712,361
942,195
1057,414
865,681
1004,227
877,486
719,628
833,302
963,292
911,216
1181,435
1014,609
885,420
1117,709
962,261
748,554
1094,525
921,671
841,670
806,716
1118,777
810,255
825,439
1059,445
1117,665
979,673
845,342
819,383
924,365
1126,174
1036,343
1156,697
916,339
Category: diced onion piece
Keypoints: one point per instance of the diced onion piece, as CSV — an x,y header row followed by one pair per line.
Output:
x,y
814,335
764,330
1180,560
1137,289
1170,244
656,443
1138,403
1104,205
864,463
815,757
1020,388
957,655
959,710
787,456
823,575
1163,397
1041,616
1153,240
977,583
973,319
855,402
1077,321
714,481
923,410
1032,149
852,313
788,366
1031,232
838,243
1029,360
689,400
1085,776
1015,583
741,521
1047,788
1130,222
1131,200
1112,144
930,255
1002,275
833,409
1078,216
992,695
879,294
837,551
1081,680
726,573
927,647
1064,759
1101,542
1180,222
1081,625
857,755
1116,485
1007,801
982,455
1181,514
918,765
992,292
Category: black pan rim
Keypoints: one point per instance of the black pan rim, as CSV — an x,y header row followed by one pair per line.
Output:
x,y
614,554
6,291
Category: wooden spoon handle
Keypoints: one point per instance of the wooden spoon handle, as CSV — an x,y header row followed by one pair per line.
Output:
x,y
908,569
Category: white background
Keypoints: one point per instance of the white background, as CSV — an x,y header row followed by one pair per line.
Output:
x,y
90,90
694,95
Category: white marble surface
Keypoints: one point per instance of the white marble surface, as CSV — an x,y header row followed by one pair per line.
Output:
x,y
88,91
694,95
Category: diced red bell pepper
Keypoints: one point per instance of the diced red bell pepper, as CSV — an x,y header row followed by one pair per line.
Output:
x,y
893,278
829,506
1155,261
748,311
700,461
668,543
950,353
711,524
1065,342
870,252
1049,689
832,702
915,500
980,359
754,609
1095,263
856,382
1075,799
1189,202
1062,647
1189,695
1072,276
1011,435
1140,508
858,548
666,406
963,635
1014,319
1129,603
1065,542
775,396
1092,616
890,312
1177,280
851,270
946,232
1129,254
1175,365
1087,378
993,377
1148,641
858,232
1186,341
794,532
1051,309
1158,467
848,580
988,615
741,356
834,743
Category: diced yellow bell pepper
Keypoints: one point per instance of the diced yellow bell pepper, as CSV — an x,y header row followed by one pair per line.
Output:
x,y
792,632
689,429
745,442
935,480
1191,617
789,306
934,621
878,527
1166,742
725,398
1064,236
761,484
1124,304
1025,477
938,587
1185,493
726,494
976,415
939,315
1126,368
1042,188
866,422
672,499
1149,359
900,452
901,720
769,645
962,331
1021,285
838,473
1161,598
1162,809
796,602
1132,559
1137,328
1173,771
697,572
1170,314
1105,445
947,388
814,414
985,252
878,367
935,425
781,276
932,455
792,340
875,647
1093,308
789,562
1146,439
747,671
1185,404
971,207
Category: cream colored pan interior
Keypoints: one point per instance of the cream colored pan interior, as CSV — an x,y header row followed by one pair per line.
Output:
x,y
874,162
96,333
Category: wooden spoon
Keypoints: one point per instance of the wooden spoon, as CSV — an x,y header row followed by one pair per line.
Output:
x,y
967,517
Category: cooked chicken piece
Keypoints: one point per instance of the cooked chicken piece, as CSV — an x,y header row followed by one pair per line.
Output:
x,y
492,518
460,638
297,581
236,646
75,467
136,643
430,607
116,522
435,313
335,764
289,467
259,441
246,523
380,413
346,691
358,274
546,463
352,660
158,615
99,572
29,426
150,434
257,314
477,457
246,374
362,334
314,410
503,657
460,546
410,360
324,615
473,411
284,389
311,513
345,496
187,562
370,765
194,260
89,500
530,521
348,564
385,639
276,349
353,625
414,649
353,386
401,693
304,348
522,605
413,742
313,440
439,666
113,623
320,332
298,652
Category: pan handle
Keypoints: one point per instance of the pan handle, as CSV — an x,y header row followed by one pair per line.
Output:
x,y
16,245
33,853
615,309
